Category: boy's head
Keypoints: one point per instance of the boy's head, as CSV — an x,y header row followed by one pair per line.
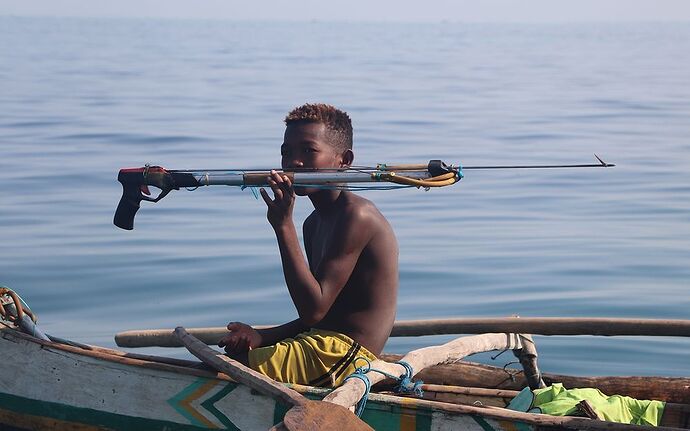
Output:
x,y
338,126
317,136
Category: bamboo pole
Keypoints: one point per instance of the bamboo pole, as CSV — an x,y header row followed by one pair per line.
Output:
x,y
415,328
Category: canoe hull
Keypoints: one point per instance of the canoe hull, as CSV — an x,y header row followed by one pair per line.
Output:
x,y
53,387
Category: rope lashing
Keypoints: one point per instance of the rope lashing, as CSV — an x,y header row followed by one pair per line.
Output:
x,y
361,374
19,305
405,383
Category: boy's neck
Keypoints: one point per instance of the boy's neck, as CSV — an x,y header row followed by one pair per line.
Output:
x,y
326,201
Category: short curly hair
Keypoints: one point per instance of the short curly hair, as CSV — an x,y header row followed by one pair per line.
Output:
x,y
337,122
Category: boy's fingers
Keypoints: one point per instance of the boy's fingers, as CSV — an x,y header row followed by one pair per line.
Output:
x,y
243,345
276,177
267,199
226,343
278,193
232,345
277,189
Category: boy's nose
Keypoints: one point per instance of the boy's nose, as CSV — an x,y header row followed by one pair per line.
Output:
x,y
292,164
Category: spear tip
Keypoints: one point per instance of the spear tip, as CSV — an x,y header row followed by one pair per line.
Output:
x,y
603,163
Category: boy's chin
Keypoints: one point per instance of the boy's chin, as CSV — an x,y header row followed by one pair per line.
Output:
x,y
305,190
301,190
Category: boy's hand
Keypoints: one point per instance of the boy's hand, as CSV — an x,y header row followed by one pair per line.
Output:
x,y
243,338
280,208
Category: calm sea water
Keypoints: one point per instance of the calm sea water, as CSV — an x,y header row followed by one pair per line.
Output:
x,y
80,99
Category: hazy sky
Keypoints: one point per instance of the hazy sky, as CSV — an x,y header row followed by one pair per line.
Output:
x,y
364,10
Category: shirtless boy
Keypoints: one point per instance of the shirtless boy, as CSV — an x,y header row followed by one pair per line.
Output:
x,y
345,291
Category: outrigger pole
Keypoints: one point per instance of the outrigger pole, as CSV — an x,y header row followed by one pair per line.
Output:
x,y
435,173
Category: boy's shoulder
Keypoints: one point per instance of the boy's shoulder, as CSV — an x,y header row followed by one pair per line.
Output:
x,y
356,204
353,208
355,215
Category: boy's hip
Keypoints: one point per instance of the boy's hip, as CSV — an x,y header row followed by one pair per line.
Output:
x,y
317,358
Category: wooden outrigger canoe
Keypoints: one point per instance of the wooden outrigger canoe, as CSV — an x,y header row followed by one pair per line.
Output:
x,y
50,385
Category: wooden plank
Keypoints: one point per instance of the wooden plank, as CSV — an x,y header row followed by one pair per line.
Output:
x,y
415,328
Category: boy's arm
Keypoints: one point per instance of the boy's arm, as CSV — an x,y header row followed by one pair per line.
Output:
x,y
270,336
314,294
243,337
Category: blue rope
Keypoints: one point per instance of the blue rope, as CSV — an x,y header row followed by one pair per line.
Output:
x,y
361,374
460,174
405,383
252,189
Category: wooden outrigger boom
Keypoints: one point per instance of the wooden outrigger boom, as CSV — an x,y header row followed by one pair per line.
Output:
x,y
479,325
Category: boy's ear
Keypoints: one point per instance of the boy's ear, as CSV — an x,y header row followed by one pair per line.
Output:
x,y
347,157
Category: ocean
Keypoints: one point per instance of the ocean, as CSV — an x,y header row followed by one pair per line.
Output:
x,y
82,98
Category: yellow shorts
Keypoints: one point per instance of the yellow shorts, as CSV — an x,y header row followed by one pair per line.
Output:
x,y
315,358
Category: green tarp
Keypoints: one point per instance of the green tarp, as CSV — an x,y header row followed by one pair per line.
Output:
x,y
559,401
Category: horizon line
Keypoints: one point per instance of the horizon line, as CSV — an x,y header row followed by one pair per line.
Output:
x,y
349,21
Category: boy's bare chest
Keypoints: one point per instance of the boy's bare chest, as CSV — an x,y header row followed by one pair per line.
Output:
x,y
321,240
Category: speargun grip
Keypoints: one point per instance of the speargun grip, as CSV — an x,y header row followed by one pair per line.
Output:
x,y
135,182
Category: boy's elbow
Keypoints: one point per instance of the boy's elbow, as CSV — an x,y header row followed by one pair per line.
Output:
x,y
311,317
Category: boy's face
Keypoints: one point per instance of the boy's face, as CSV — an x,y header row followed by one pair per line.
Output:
x,y
305,146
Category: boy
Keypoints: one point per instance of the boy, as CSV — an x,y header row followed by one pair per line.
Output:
x,y
345,292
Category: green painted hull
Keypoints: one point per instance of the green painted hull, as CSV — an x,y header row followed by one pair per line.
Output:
x,y
51,413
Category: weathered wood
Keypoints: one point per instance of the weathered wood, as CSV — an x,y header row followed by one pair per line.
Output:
x,y
167,338
676,415
350,392
414,328
107,355
319,416
464,373
671,389
528,359
23,421
546,326
459,394
148,358
465,390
